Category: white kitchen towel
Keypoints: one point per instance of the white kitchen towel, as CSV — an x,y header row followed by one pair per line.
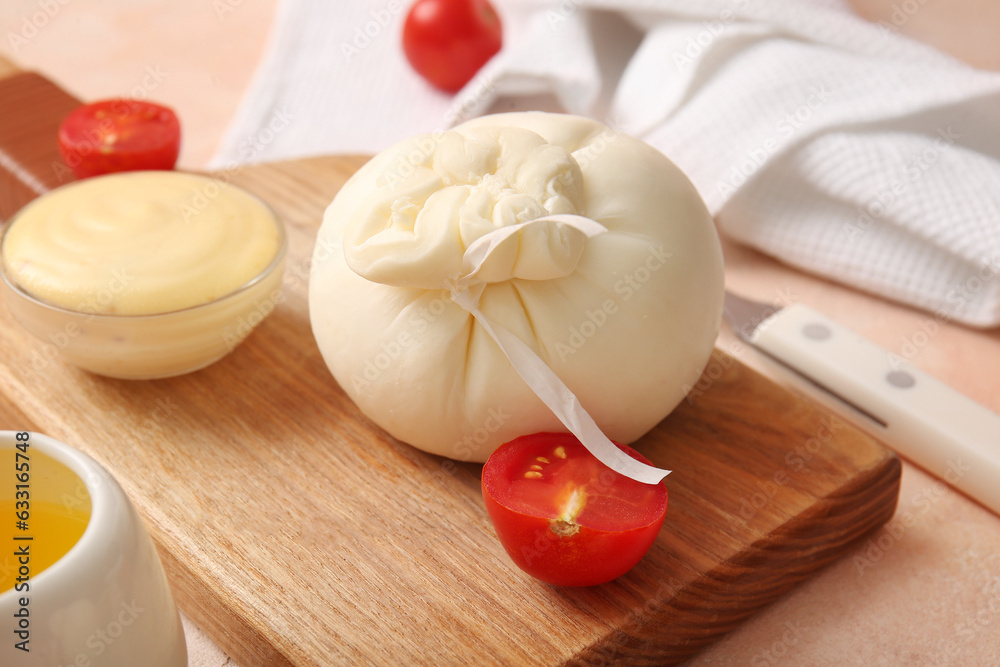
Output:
x,y
836,145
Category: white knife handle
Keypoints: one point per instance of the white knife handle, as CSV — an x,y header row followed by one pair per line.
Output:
x,y
927,422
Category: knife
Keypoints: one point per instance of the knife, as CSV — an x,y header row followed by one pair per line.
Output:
x,y
921,418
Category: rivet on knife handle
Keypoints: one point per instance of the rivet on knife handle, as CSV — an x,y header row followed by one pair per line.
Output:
x,y
926,421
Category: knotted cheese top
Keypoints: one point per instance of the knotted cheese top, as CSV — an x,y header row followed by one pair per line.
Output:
x,y
441,192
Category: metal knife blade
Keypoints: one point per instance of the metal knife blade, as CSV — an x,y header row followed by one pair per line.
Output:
x,y
921,418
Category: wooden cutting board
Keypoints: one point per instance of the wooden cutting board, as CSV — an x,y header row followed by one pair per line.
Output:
x,y
296,532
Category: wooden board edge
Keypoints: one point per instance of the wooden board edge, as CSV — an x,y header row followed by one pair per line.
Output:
x,y
8,68
245,646
30,161
767,570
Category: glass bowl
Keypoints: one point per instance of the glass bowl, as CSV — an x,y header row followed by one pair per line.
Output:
x,y
154,345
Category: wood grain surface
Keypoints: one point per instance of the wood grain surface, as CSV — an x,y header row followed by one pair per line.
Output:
x,y
31,108
295,532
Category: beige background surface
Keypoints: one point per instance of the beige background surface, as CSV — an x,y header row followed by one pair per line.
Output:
x,y
924,591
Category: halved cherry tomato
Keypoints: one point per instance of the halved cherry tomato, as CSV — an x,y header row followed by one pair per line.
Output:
x,y
119,135
566,518
448,41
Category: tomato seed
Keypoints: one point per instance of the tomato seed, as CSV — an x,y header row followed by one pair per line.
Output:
x,y
532,474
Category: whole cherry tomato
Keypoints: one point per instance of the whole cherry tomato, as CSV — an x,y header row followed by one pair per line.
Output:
x,y
447,41
566,518
119,135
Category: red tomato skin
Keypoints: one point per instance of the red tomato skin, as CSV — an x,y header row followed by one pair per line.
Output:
x,y
115,135
448,41
589,557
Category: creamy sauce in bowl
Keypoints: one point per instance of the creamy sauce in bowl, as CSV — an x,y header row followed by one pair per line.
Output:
x,y
143,275
140,243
